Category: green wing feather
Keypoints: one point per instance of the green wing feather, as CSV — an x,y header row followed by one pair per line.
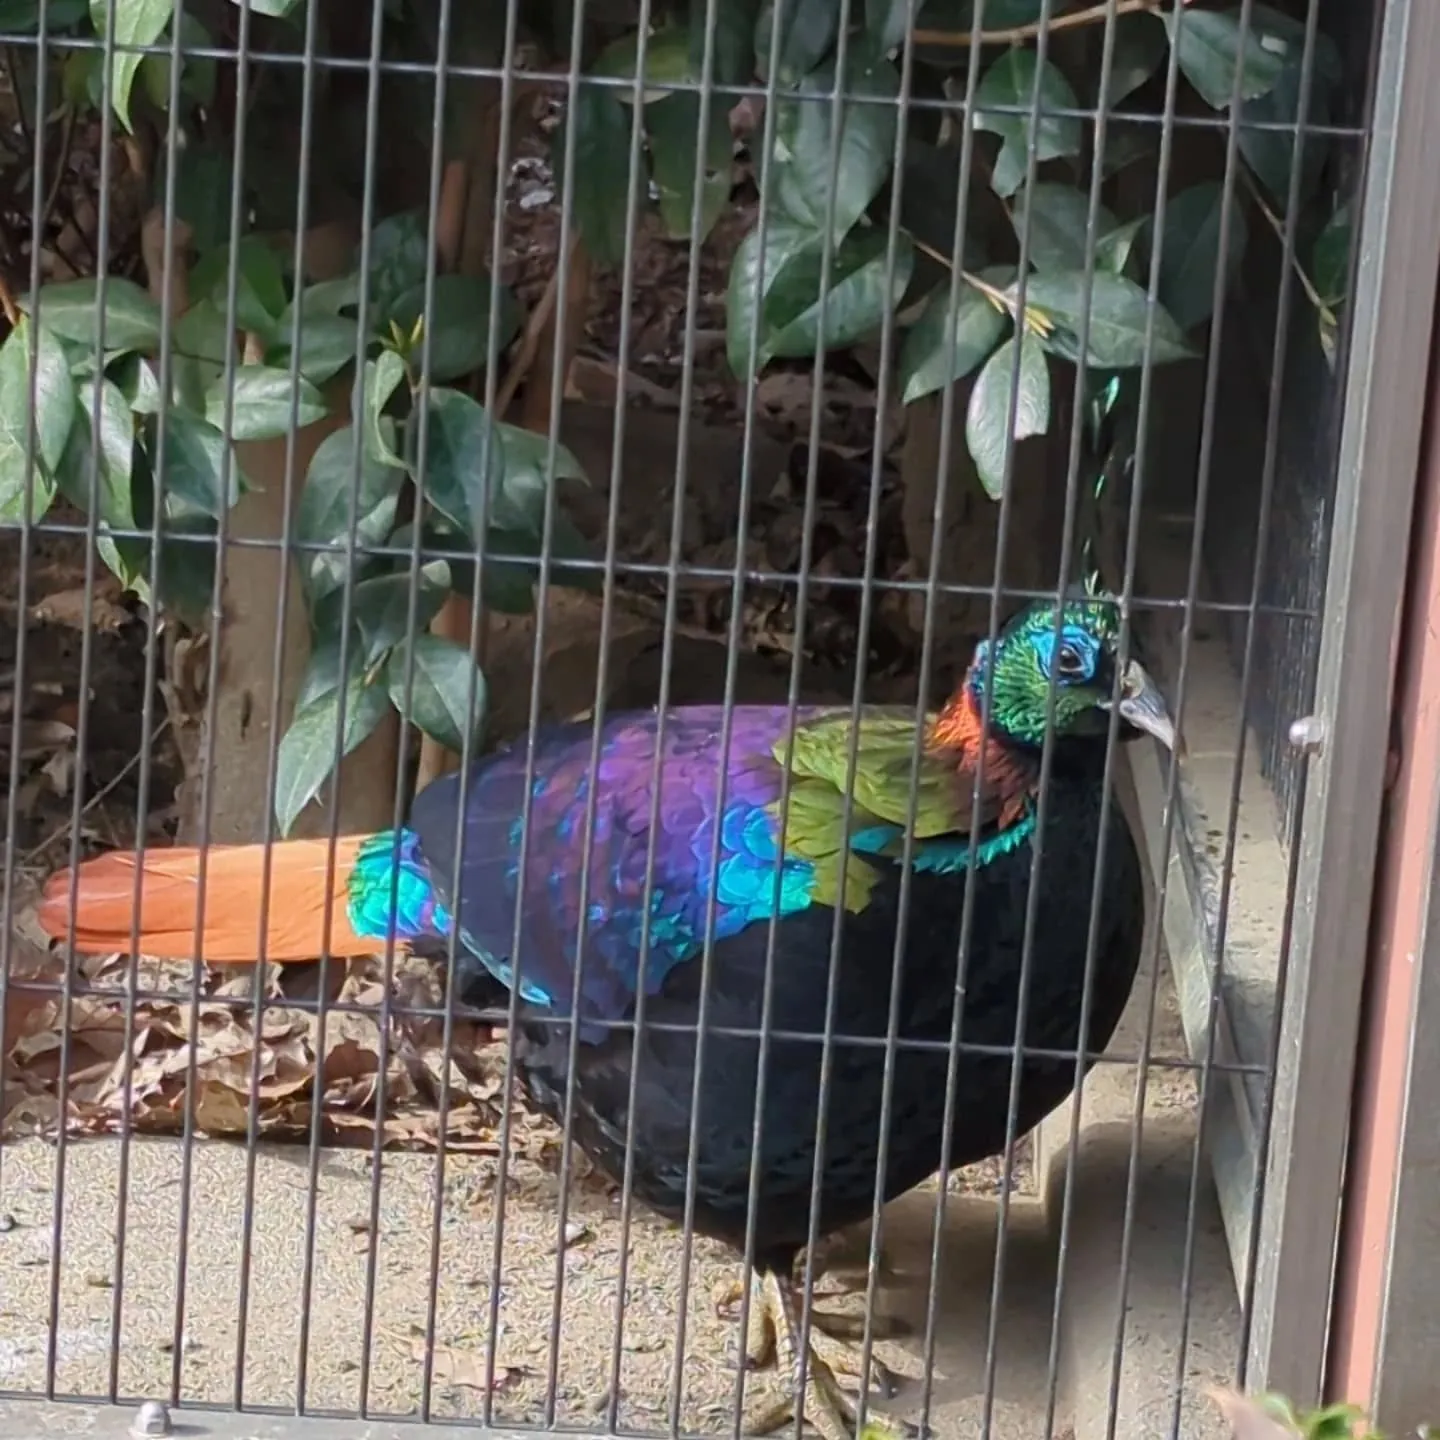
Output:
x,y
881,787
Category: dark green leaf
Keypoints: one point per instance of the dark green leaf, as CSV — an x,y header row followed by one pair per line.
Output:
x,y
259,286
808,29
1059,217
1140,46
329,297
137,23
1113,250
116,458
460,329
959,15
1118,309
1330,259
733,47
382,377
203,180
398,254
976,325
54,411
1125,144
602,170
466,457
138,384
752,277
860,293
886,22
672,124
279,8
790,305
307,754
380,607
987,418
667,61
187,568
322,674
1192,250
1271,153
1211,51
198,466
69,310
328,344
440,679
519,502
1011,81
323,515
197,72
804,130
262,403
22,17
203,343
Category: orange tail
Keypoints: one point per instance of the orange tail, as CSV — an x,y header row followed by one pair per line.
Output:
x,y
302,874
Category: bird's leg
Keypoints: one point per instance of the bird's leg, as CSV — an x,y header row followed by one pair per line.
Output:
x,y
825,1404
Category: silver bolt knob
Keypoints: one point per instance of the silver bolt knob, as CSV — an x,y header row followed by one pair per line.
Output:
x,y
1307,734
152,1418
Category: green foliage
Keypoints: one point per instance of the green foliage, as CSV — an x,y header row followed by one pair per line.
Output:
x,y
477,485
822,273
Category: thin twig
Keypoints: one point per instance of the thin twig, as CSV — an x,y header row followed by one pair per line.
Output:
x,y
7,304
1036,321
1278,226
67,135
31,856
957,39
530,341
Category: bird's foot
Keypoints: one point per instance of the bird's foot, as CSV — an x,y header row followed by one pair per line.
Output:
x,y
774,1330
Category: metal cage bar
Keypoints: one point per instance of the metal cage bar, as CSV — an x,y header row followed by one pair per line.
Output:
x,y
1401,234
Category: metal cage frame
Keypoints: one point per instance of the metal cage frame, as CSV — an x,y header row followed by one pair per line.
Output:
x,y
1304,1151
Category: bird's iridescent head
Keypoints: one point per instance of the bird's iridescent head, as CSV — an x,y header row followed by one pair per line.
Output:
x,y
1082,658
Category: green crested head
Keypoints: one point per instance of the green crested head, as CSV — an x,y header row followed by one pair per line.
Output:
x,y
1081,655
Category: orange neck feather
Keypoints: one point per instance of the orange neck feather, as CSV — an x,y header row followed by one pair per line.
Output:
x,y
1009,770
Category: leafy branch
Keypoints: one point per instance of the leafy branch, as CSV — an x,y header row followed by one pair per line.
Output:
x,y
1018,34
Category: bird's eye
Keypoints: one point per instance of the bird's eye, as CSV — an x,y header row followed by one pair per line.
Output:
x,y
1070,661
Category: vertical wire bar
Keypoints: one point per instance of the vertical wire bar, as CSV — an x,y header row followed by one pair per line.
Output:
x,y
765,173
836,100
477,612
862,653
827,255
1204,473
477,616
148,731
1092,929
1132,552
927,654
28,525
274,718
212,697
420,419
347,599
437,1196
87,650
602,668
1267,1111
420,398
557,379
1047,753
1279,355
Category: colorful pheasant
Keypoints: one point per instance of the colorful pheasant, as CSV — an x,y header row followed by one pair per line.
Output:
x,y
721,860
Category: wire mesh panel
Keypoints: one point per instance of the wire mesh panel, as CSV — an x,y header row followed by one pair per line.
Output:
x,y
605,601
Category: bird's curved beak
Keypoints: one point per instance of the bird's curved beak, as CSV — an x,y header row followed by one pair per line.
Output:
x,y
1143,706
